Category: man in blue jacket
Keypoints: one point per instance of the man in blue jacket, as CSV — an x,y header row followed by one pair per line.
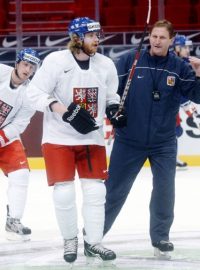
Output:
x,y
151,106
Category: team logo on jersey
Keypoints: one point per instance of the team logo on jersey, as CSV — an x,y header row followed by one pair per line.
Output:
x,y
5,109
171,80
87,97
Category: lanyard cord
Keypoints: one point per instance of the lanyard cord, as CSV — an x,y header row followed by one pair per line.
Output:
x,y
154,80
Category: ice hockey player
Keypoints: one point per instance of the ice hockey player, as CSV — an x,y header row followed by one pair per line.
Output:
x,y
182,47
73,88
15,115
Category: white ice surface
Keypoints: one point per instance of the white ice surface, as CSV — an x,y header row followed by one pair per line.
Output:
x,y
128,237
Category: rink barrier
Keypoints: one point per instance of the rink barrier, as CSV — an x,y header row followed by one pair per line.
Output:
x,y
38,162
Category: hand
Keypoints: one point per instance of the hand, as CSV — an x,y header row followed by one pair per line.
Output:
x,y
189,108
3,138
117,119
79,119
111,110
195,63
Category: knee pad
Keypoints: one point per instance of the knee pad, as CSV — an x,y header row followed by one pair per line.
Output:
x,y
19,177
94,191
17,192
93,212
64,195
65,209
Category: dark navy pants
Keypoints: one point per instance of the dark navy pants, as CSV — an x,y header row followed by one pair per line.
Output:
x,y
125,163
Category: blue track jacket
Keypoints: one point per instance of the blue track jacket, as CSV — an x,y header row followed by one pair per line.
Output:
x,y
152,122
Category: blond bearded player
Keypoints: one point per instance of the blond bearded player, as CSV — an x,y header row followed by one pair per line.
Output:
x,y
74,88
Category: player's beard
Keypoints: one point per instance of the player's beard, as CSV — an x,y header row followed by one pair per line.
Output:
x,y
89,50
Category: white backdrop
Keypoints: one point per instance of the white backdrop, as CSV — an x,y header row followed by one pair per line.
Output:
x,y
189,142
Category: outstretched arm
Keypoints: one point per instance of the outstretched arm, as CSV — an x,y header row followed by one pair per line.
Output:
x,y
195,63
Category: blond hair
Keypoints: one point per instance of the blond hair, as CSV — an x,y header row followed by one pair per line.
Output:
x,y
75,44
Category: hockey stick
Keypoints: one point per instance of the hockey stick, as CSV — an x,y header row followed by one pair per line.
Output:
x,y
132,71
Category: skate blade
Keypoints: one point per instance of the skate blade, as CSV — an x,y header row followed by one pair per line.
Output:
x,y
109,264
70,265
161,255
90,260
98,262
11,236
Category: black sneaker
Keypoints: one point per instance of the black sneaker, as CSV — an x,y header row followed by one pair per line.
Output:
x,y
163,246
162,249
181,165
98,251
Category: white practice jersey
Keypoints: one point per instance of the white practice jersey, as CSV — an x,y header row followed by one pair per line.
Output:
x,y
15,112
60,78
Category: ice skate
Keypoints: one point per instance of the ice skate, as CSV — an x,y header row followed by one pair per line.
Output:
x,y
15,230
181,165
98,251
162,249
70,250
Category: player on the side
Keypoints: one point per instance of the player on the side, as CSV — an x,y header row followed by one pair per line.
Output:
x,y
15,114
182,47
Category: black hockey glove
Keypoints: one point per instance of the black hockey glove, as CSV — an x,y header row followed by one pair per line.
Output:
x,y
111,110
118,121
79,119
